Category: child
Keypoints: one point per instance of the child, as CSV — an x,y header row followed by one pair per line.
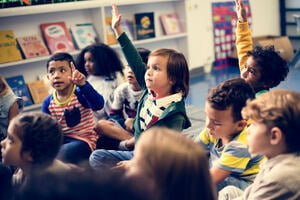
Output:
x,y
170,165
126,97
104,71
225,137
274,132
262,68
10,106
165,82
72,104
32,143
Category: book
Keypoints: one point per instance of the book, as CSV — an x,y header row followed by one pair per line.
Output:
x,y
9,50
144,25
38,91
19,87
127,26
57,37
110,35
83,35
171,23
32,46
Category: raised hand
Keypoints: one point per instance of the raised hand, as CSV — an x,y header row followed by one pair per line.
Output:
x,y
116,20
240,11
77,78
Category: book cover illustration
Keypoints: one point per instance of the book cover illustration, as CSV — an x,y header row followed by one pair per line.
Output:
x,y
19,87
32,46
83,35
9,50
38,91
57,37
110,35
171,24
144,25
127,26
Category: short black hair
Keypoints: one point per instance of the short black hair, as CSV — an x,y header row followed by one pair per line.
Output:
x,y
233,92
61,56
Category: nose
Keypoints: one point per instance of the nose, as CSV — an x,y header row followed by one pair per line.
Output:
x,y
244,73
209,123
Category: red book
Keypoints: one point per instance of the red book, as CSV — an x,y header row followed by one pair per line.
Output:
x,y
57,37
32,46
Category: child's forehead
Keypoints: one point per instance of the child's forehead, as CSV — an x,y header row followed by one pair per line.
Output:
x,y
214,113
59,63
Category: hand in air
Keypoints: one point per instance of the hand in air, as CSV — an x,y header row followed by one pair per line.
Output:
x,y
77,78
240,10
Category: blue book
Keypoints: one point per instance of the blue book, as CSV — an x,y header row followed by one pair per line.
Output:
x,y
144,25
19,87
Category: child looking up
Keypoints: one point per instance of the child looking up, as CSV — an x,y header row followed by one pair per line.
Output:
x,y
32,144
224,136
262,68
165,81
274,132
104,70
126,97
72,104
170,165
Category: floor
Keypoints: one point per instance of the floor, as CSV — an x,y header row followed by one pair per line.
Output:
x,y
199,85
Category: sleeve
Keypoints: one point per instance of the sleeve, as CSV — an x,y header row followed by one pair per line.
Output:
x,y
46,104
243,43
133,58
204,140
94,100
235,157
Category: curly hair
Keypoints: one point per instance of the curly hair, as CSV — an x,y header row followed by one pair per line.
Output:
x,y
40,134
106,60
273,68
233,92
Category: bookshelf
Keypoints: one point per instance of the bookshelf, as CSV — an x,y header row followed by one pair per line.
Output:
x,y
195,42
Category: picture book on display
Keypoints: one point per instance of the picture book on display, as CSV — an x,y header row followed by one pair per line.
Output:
x,y
171,24
83,35
19,87
9,50
32,46
144,25
38,91
57,37
110,35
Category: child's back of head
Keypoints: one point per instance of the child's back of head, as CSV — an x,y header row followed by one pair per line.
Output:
x,y
278,108
233,92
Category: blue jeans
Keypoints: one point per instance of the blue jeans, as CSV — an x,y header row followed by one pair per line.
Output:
x,y
105,159
74,151
234,181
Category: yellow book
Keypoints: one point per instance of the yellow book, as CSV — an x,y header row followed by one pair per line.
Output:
x,y
38,91
110,35
8,47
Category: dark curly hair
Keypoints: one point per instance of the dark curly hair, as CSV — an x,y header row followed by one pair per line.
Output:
x,y
233,92
40,134
273,68
106,60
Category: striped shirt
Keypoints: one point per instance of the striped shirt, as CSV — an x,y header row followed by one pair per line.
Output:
x,y
76,121
233,157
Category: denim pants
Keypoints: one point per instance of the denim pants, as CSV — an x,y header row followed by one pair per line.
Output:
x,y
105,159
74,151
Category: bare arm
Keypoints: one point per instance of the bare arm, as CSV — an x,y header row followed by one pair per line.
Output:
x,y
218,174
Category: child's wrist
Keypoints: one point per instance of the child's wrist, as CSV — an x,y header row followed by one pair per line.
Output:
x,y
123,145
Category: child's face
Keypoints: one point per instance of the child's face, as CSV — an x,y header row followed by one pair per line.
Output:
x,y
130,75
156,76
58,74
251,74
220,123
89,65
11,148
258,138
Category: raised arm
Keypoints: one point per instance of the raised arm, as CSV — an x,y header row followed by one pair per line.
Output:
x,y
243,34
131,54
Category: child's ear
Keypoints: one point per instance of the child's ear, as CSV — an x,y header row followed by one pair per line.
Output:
x,y
276,136
27,156
241,124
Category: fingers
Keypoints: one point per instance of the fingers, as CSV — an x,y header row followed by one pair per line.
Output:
x,y
114,10
77,77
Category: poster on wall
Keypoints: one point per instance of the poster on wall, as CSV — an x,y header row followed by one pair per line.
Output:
x,y
224,25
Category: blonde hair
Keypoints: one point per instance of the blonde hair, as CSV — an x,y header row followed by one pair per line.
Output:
x,y
278,108
178,166
6,89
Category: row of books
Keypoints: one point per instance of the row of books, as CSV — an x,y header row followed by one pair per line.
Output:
x,y
32,92
56,37
18,3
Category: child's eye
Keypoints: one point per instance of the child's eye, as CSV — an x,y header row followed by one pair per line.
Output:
x,y
155,68
63,70
217,123
252,71
147,67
